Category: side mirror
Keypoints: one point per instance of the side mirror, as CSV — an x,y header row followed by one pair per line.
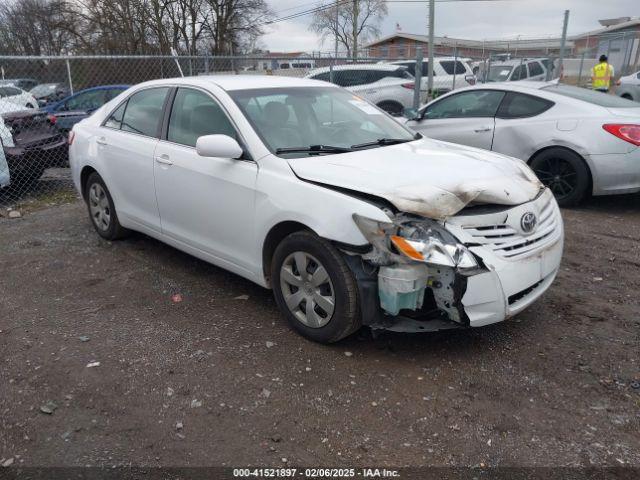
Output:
x,y
221,146
470,79
411,114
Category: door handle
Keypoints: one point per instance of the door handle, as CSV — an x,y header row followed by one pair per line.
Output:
x,y
483,129
101,141
164,160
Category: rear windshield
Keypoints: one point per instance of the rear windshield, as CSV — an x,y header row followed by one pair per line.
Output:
x,y
590,96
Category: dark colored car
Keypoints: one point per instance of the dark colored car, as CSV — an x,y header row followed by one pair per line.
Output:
x,y
23,83
69,111
38,145
46,93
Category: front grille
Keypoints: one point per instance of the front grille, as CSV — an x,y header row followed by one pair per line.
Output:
x,y
507,242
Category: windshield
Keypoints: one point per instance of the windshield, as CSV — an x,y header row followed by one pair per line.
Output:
x,y
499,73
596,98
44,88
286,118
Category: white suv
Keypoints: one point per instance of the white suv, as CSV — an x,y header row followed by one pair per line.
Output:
x,y
515,70
449,73
390,87
302,187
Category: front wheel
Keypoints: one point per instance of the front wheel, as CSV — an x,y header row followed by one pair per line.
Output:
x,y
314,288
564,172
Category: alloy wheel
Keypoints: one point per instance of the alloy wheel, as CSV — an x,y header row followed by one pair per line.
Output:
x,y
307,289
559,175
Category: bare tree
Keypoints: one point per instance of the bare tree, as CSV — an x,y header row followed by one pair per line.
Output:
x,y
357,22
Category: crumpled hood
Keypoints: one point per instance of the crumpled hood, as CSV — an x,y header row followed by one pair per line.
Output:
x,y
427,177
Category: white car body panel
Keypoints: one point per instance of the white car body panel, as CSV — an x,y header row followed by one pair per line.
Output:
x,y
629,87
20,97
570,123
221,210
387,89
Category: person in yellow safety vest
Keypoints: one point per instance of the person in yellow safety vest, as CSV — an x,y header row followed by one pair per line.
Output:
x,y
601,75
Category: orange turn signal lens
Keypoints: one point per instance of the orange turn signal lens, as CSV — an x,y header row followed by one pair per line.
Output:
x,y
405,247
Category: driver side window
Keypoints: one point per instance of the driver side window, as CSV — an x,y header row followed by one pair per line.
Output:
x,y
477,103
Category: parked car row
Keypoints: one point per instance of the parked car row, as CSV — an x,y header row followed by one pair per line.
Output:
x,y
577,141
34,139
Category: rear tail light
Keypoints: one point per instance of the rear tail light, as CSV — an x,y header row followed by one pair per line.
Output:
x,y
72,136
626,132
52,119
618,83
409,86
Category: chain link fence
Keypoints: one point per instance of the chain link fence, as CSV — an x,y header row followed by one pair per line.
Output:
x,y
41,98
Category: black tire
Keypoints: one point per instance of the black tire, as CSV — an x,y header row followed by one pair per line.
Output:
x,y
114,230
565,173
627,96
392,108
346,317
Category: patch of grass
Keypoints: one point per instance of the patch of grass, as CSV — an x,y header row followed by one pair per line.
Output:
x,y
51,198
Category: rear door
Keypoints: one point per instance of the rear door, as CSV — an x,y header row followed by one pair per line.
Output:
x,y
536,71
126,143
467,118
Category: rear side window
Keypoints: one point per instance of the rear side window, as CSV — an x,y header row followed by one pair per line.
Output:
x,y
451,67
520,73
115,119
535,69
352,78
475,103
195,114
518,105
143,112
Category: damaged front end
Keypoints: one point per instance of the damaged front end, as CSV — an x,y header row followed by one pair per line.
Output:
x,y
414,276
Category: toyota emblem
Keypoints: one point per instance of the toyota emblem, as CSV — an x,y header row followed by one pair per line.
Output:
x,y
528,222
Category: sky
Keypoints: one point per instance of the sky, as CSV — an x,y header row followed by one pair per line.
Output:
x,y
484,19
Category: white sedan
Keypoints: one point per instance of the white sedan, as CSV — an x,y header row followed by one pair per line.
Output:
x,y
577,141
304,188
16,96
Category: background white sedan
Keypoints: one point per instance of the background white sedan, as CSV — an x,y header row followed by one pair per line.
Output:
x,y
576,140
17,96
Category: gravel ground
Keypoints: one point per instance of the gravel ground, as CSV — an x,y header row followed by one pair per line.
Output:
x,y
219,379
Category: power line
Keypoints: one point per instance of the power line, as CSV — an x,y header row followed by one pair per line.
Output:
x,y
330,5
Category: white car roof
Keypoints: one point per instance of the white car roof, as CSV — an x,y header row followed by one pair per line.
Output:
x,y
241,82
358,66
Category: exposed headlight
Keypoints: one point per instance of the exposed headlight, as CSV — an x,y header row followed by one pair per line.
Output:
x,y
420,240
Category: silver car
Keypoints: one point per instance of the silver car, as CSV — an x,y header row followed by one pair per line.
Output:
x,y
577,141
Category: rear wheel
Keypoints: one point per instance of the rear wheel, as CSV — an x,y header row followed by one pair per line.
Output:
x,y
564,172
102,210
314,288
627,96
391,107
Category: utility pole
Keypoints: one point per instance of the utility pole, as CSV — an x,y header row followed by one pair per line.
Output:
x,y
563,41
355,29
432,11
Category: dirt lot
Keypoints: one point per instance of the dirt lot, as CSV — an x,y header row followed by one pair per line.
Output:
x,y
219,379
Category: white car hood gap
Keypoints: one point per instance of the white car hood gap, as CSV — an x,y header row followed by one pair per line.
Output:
x,y
426,177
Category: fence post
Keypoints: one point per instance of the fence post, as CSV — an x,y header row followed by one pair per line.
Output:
x,y
331,72
69,76
581,67
206,64
418,78
455,63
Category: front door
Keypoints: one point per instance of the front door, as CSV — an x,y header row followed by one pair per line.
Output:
x,y
206,203
467,118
